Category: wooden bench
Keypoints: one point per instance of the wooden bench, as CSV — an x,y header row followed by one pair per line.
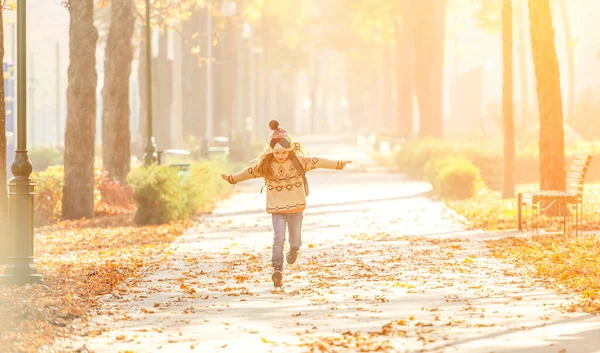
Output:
x,y
571,199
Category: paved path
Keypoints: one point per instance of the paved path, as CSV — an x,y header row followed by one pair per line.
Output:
x,y
383,268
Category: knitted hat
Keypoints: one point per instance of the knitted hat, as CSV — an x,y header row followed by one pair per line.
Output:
x,y
279,139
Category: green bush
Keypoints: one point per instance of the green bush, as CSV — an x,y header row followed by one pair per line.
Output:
x,y
110,197
159,193
413,155
453,177
206,184
432,170
491,166
47,206
163,194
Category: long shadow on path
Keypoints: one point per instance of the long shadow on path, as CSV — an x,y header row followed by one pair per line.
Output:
x,y
325,205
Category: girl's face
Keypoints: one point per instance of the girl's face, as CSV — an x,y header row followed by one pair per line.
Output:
x,y
280,157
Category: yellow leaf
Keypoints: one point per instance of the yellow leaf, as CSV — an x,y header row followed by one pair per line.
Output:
x,y
265,340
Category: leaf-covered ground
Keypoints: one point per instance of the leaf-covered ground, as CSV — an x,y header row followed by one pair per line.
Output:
x,y
568,264
79,261
383,269
488,211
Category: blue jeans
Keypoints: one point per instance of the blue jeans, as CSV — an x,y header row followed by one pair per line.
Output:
x,y
294,225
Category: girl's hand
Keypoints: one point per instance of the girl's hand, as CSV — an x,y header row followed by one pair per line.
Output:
x,y
344,163
227,178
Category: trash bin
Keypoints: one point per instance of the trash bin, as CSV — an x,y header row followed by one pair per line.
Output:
x,y
218,146
180,154
182,167
183,170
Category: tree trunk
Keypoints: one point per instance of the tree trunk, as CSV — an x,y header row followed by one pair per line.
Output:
x,y
386,78
404,78
194,88
116,134
564,9
78,194
428,21
437,68
3,171
314,88
223,80
552,153
142,79
523,77
293,91
162,94
363,98
326,96
508,189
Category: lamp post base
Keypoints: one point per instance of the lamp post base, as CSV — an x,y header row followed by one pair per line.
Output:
x,y
150,155
20,268
20,271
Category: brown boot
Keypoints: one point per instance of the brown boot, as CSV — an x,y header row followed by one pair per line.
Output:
x,y
277,275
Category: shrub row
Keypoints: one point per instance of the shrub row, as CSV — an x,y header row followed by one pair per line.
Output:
x,y
158,194
163,193
415,154
527,166
452,177
110,197
450,174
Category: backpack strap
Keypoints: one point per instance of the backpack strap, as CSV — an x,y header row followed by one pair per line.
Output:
x,y
302,172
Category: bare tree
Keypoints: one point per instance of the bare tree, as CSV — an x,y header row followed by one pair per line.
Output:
x,y
523,78
80,131
552,150
564,10
428,21
116,135
404,74
508,189
3,171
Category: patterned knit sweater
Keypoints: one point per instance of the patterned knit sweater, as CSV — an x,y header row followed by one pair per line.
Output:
x,y
285,191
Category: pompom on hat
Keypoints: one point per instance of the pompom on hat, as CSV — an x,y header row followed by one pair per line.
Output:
x,y
279,139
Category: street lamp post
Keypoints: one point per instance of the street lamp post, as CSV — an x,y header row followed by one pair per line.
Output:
x,y
228,10
209,73
150,155
20,268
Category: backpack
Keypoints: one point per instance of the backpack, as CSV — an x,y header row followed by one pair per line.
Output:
x,y
300,169
296,162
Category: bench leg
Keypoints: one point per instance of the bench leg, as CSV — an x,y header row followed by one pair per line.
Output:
x,y
520,211
578,230
535,215
565,210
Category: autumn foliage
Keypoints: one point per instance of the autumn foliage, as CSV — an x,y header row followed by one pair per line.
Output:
x,y
164,193
79,261
565,264
451,175
110,197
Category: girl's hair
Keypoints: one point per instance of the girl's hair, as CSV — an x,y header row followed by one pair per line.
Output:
x,y
266,158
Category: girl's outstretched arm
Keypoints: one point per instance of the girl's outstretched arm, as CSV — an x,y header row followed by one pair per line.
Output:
x,y
310,163
247,173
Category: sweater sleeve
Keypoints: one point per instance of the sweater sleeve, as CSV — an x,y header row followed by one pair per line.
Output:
x,y
310,163
247,173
